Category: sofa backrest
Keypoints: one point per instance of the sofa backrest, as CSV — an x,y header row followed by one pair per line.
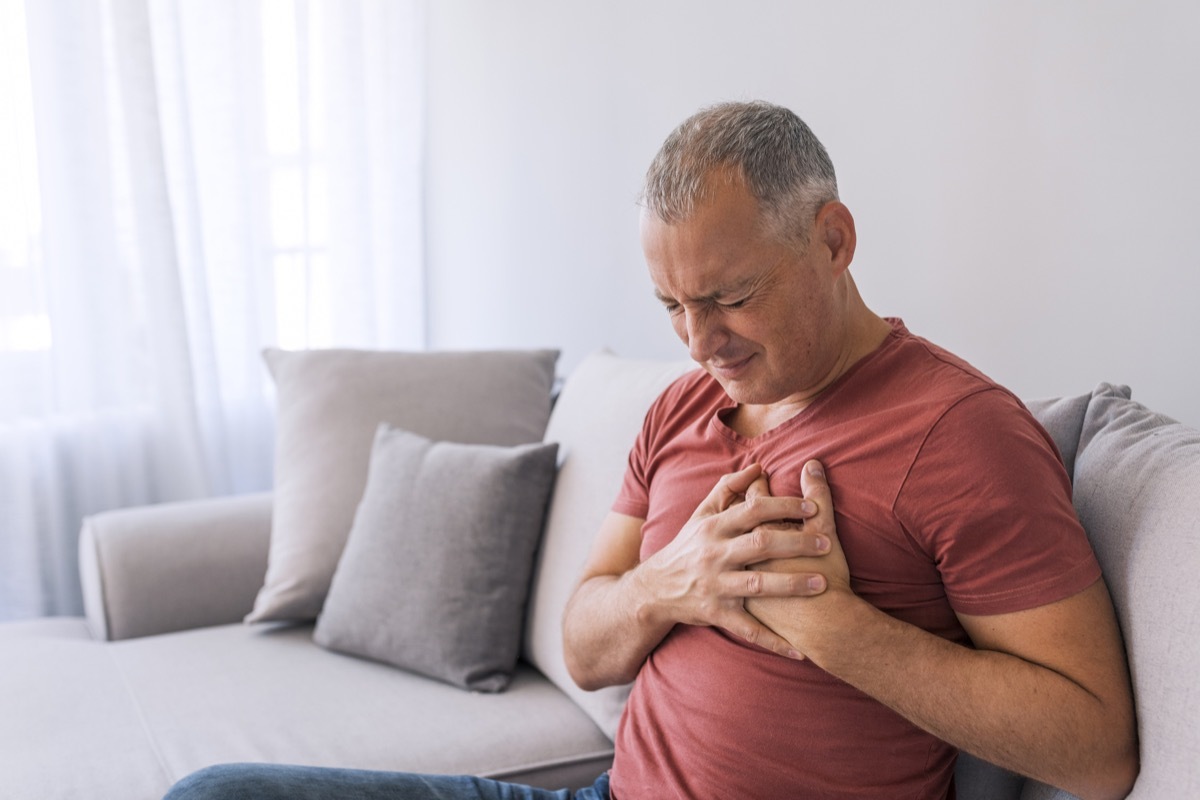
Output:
x,y
596,418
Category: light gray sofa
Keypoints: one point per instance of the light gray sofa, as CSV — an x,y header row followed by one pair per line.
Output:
x,y
162,677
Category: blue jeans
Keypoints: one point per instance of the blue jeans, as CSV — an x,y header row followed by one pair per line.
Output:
x,y
278,782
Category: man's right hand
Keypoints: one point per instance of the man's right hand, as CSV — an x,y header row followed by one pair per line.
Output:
x,y
700,577
623,607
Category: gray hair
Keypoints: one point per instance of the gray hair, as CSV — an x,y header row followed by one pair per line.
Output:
x,y
782,162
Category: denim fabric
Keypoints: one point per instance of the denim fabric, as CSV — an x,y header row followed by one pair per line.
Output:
x,y
280,782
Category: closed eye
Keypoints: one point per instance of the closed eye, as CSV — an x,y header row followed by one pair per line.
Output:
x,y
670,304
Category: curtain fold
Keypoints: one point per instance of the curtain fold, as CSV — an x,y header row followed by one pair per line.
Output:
x,y
208,178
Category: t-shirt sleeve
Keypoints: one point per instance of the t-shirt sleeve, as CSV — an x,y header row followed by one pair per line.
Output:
x,y
634,497
988,499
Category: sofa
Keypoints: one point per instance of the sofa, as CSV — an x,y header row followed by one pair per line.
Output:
x,y
165,675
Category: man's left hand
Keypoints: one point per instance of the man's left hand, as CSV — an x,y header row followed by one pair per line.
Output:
x,y
796,618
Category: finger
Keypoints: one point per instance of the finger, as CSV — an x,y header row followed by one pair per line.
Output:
x,y
753,583
779,540
729,488
758,488
761,510
744,626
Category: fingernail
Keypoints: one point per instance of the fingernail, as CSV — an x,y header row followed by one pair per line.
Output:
x,y
796,654
822,543
814,469
816,583
808,507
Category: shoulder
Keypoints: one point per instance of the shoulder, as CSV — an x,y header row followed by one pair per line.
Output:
x,y
688,401
968,400
954,374
963,416
943,385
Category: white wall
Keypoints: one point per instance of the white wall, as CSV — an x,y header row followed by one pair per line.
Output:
x,y
1024,175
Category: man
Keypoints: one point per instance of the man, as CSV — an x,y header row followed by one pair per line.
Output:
x,y
954,524
780,649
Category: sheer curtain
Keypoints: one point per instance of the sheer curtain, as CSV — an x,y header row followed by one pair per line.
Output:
x,y
182,183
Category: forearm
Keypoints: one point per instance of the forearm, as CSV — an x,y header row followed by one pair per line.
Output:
x,y
997,706
609,630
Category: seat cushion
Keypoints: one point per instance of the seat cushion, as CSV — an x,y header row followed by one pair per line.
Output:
x,y
161,707
70,725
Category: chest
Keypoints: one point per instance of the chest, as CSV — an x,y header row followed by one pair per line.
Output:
x,y
866,462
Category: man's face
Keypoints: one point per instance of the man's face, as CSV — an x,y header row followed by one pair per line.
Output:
x,y
755,313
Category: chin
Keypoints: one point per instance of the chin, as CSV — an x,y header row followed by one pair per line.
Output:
x,y
743,392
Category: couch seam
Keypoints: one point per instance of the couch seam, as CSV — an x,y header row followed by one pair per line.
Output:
x,y
141,716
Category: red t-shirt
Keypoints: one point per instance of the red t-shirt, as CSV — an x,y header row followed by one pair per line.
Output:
x,y
948,496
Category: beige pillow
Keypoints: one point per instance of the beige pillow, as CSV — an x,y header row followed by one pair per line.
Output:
x,y
330,403
595,421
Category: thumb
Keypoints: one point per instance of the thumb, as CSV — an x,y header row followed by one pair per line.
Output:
x,y
815,487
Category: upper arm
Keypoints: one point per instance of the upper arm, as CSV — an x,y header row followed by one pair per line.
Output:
x,y
1076,637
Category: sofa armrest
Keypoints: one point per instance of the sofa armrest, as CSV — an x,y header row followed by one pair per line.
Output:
x,y
174,566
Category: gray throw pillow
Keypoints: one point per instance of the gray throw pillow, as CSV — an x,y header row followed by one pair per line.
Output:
x,y
329,404
1062,417
435,572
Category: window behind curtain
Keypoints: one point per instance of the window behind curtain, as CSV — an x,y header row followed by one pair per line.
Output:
x,y
182,183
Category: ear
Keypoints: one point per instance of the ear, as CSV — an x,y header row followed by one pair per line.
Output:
x,y
835,230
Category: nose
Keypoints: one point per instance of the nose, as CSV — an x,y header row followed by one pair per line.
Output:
x,y
703,334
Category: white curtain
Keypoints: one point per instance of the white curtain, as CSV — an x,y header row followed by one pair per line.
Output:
x,y
182,183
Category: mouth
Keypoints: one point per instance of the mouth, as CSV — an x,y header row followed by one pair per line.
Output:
x,y
730,370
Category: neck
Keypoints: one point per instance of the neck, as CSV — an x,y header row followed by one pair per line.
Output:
x,y
864,333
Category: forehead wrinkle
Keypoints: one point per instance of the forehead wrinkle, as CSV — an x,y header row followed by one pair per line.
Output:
x,y
734,288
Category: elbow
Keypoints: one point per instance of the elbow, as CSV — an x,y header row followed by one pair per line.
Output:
x,y
1123,773
582,670
581,676
1125,763
586,682
588,676
590,661
1113,779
